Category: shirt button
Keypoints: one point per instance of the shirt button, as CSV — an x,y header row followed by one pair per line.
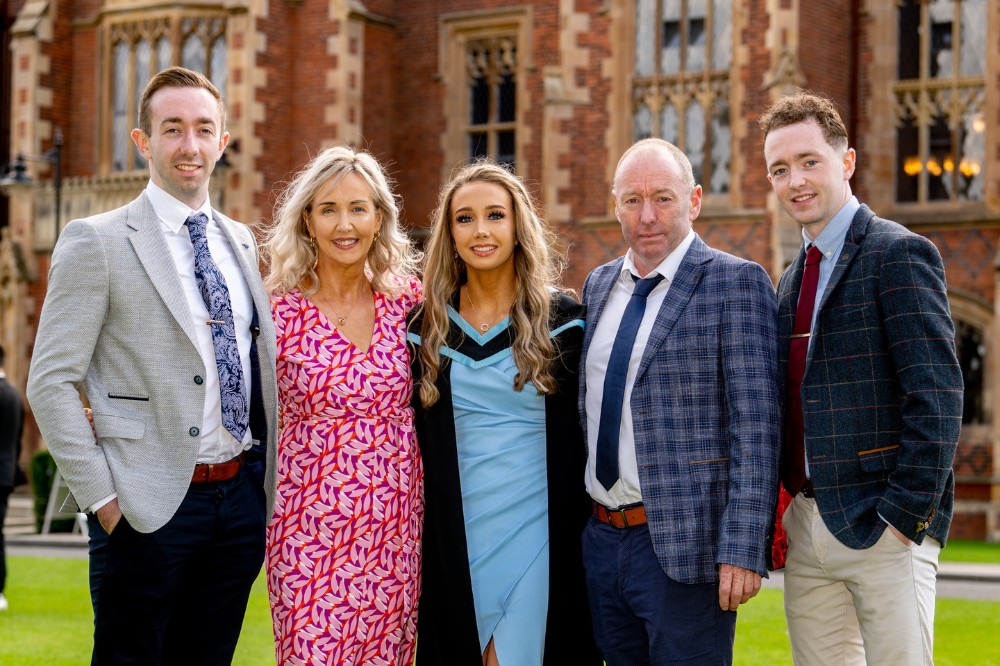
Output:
x,y
198,380
194,431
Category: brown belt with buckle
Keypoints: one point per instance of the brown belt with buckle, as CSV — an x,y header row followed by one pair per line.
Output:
x,y
209,472
626,516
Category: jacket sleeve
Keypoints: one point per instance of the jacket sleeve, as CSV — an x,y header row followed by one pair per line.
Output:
x,y
920,340
749,360
72,318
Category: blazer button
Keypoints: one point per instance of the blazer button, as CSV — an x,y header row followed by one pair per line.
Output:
x,y
194,431
198,380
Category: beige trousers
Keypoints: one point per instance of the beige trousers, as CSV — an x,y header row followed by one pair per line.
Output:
x,y
852,607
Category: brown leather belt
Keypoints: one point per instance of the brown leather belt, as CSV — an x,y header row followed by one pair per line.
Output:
x,y
808,490
626,516
209,472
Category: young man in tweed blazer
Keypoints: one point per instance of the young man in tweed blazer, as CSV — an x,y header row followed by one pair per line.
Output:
x,y
881,398
677,541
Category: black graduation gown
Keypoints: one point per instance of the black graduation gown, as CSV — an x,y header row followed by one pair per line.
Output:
x,y
446,625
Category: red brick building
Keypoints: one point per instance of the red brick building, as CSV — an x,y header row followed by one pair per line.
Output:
x,y
558,88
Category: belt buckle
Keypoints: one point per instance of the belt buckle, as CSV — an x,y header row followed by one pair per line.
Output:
x,y
624,517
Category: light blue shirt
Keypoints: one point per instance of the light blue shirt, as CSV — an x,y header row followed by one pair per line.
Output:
x,y
830,242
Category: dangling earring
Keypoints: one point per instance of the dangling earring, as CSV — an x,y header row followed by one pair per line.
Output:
x,y
312,246
375,237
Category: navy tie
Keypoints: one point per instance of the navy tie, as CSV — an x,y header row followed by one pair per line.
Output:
x,y
614,381
211,282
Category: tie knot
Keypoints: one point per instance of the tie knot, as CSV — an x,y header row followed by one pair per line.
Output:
x,y
814,255
645,285
196,223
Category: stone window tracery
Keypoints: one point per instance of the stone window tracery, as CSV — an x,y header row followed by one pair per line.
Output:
x,y
939,99
681,82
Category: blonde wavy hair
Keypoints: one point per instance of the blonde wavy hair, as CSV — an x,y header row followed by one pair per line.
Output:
x,y
537,266
291,258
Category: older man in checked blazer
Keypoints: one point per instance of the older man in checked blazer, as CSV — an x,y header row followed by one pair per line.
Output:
x,y
157,313
873,406
680,408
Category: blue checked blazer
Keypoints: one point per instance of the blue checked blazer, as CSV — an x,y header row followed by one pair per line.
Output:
x,y
882,390
705,412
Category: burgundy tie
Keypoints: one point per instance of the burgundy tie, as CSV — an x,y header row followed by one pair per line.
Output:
x,y
794,454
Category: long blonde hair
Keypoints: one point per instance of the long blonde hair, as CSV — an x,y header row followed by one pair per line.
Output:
x,y
536,268
391,258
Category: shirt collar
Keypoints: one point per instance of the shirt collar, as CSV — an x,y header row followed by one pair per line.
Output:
x,y
667,268
833,234
170,210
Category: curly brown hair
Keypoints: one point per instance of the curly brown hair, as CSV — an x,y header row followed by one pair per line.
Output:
x,y
800,107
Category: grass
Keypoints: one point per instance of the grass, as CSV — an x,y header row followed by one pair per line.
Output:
x,y
50,623
971,551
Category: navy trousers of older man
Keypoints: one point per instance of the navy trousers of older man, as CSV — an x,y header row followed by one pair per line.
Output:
x,y
641,615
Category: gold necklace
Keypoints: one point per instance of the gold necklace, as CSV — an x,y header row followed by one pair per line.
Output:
x,y
340,320
485,326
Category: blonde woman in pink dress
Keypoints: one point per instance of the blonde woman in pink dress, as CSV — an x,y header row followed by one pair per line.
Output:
x,y
343,545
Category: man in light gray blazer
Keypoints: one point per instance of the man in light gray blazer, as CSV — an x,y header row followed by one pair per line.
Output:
x,y
157,314
679,399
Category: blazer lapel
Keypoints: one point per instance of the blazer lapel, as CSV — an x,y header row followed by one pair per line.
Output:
x,y
154,255
852,242
788,294
679,293
246,255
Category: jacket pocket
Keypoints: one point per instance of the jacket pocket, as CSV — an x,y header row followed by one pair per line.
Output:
x,y
708,470
879,459
845,319
112,426
122,396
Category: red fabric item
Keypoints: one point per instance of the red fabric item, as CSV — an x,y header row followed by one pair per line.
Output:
x,y
779,543
793,456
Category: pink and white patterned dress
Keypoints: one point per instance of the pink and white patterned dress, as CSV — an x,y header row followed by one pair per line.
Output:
x,y
343,545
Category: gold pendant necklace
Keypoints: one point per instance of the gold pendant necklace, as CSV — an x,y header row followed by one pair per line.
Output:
x,y
340,320
485,326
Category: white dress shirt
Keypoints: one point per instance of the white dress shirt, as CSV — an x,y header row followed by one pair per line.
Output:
x,y
626,490
217,444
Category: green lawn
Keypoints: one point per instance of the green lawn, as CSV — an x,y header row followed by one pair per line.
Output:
x,y
50,623
971,551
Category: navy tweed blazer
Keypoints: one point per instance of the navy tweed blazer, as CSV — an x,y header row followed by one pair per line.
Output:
x,y
882,390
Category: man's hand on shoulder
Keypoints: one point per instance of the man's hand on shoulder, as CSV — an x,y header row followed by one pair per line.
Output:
x,y
109,515
736,586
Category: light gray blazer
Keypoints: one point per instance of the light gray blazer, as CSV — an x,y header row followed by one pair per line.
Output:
x,y
116,325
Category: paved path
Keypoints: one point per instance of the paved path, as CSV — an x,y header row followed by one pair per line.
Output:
x,y
956,580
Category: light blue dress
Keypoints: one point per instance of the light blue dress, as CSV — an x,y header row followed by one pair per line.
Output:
x,y
500,435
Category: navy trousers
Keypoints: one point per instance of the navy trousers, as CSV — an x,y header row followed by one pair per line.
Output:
x,y
178,595
641,615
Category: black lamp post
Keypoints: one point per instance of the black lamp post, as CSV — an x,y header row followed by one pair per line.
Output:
x,y
17,174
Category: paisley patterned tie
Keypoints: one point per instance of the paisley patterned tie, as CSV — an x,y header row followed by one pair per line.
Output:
x,y
211,282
